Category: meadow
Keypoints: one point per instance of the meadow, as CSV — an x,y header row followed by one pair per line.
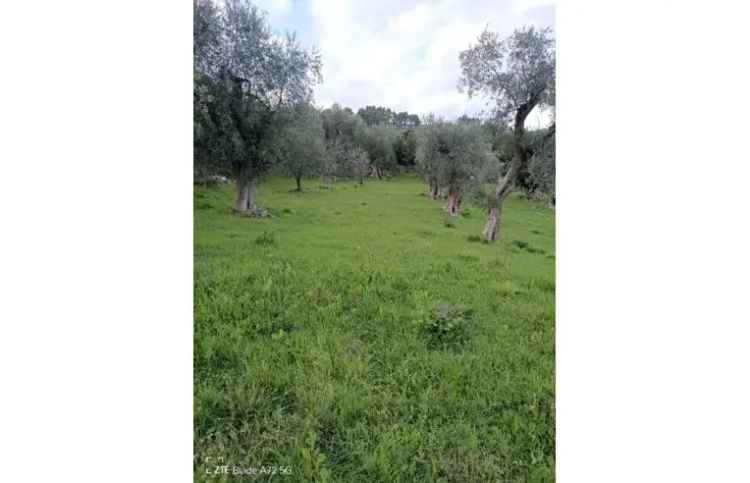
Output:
x,y
360,335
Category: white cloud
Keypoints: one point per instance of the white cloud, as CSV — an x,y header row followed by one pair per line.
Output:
x,y
404,54
275,6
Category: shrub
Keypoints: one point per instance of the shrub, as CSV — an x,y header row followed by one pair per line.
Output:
x,y
525,246
474,238
446,325
265,239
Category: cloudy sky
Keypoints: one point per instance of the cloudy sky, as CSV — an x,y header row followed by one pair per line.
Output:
x,y
402,54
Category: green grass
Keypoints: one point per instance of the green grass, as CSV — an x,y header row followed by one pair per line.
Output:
x,y
319,337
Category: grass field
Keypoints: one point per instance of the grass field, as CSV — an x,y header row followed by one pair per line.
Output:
x,y
318,349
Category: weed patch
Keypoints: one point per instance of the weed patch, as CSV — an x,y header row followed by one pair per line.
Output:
x,y
446,326
266,239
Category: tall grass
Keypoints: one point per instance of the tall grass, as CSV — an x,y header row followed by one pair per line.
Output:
x,y
325,339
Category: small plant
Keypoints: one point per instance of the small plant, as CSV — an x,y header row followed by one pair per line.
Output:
x,y
256,212
286,210
474,238
525,246
313,460
265,239
466,213
449,223
446,325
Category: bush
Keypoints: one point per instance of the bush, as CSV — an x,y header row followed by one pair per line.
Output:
x,y
265,239
525,246
447,325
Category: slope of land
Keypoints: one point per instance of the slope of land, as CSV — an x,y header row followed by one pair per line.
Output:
x,y
311,353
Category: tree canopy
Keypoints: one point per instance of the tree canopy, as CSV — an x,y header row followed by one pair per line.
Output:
x,y
299,145
243,76
384,116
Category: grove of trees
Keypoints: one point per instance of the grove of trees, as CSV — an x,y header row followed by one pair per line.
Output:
x,y
254,113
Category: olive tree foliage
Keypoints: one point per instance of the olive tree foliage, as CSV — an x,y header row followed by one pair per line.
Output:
x,y
343,130
351,161
426,156
243,77
517,74
405,148
454,157
542,167
378,142
299,144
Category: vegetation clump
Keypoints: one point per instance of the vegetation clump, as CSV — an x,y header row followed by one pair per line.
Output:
x,y
447,325
265,239
522,245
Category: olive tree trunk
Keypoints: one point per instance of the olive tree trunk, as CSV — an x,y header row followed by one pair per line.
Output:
x,y
492,227
505,183
434,189
299,183
245,200
454,202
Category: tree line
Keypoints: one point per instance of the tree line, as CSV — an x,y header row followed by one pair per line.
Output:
x,y
254,113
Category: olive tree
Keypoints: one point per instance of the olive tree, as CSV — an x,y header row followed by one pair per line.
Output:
x,y
343,131
517,74
405,148
427,160
453,155
351,161
378,142
243,77
299,144
341,124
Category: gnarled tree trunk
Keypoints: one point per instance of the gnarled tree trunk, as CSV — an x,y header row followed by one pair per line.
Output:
x,y
505,183
434,188
245,185
492,227
242,202
454,202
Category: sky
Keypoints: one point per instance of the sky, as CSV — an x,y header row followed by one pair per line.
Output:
x,y
401,54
